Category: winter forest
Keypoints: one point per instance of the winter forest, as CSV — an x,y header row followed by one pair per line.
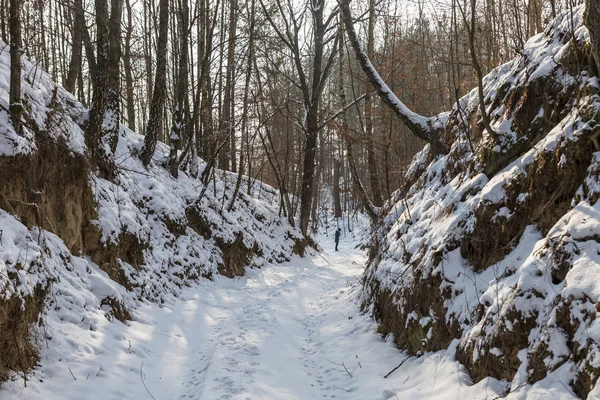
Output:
x,y
299,199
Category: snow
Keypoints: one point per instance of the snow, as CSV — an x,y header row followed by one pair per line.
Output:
x,y
546,276
288,331
292,328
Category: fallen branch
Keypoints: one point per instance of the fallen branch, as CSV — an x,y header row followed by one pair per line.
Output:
x,y
398,366
342,365
142,379
345,390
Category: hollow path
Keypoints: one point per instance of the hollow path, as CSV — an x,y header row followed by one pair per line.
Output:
x,y
264,336
290,331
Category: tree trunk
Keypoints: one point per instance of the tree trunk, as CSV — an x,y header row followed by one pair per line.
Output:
x,y
222,139
89,54
14,27
159,93
247,83
181,107
337,205
344,133
312,103
128,68
371,159
148,50
308,172
227,159
113,96
94,131
592,21
206,117
76,50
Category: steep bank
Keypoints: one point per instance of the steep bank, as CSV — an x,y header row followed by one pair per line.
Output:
x,y
289,331
494,247
82,246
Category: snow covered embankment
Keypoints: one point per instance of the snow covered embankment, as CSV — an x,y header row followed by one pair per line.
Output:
x,y
495,251
75,247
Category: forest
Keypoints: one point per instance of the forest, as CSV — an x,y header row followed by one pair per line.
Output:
x,y
271,89
174,175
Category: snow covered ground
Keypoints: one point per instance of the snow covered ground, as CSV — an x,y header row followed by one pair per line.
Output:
x,y
288,331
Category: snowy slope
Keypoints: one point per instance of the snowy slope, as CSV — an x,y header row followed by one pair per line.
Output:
x,y
78,250
497,248
291,331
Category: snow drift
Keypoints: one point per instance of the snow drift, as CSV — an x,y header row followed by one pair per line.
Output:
x,y
494,248
75,246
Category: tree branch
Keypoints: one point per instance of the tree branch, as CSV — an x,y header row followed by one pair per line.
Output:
x,y
425,128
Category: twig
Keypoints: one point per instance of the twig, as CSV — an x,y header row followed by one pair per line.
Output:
x,y
142,379
398,366
342,365
98,353
72,373
345,390
348,372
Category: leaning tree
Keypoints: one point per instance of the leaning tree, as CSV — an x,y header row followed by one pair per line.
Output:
x,y
592,21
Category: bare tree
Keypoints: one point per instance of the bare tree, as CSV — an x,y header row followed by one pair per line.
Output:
x,y
471,27
227,155
76,50
128,66
14,27
113,67
592,21
103,122
372,162
159,94
249,67
428,129
181,119
344,131
311,83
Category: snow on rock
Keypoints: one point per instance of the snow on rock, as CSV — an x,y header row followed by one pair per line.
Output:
x,y
498,248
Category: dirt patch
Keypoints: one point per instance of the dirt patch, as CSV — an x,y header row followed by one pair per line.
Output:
x,y
301,244
17,352
176,227
416,316
128,248
116,310
541,196
586,375
535,109
562,250
585,380
498,356
49,189
198,222
236,256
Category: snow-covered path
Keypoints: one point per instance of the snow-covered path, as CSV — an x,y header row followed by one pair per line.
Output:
x,y
291,331
262,333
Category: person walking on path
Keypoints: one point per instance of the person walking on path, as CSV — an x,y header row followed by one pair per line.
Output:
x,y
337,238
